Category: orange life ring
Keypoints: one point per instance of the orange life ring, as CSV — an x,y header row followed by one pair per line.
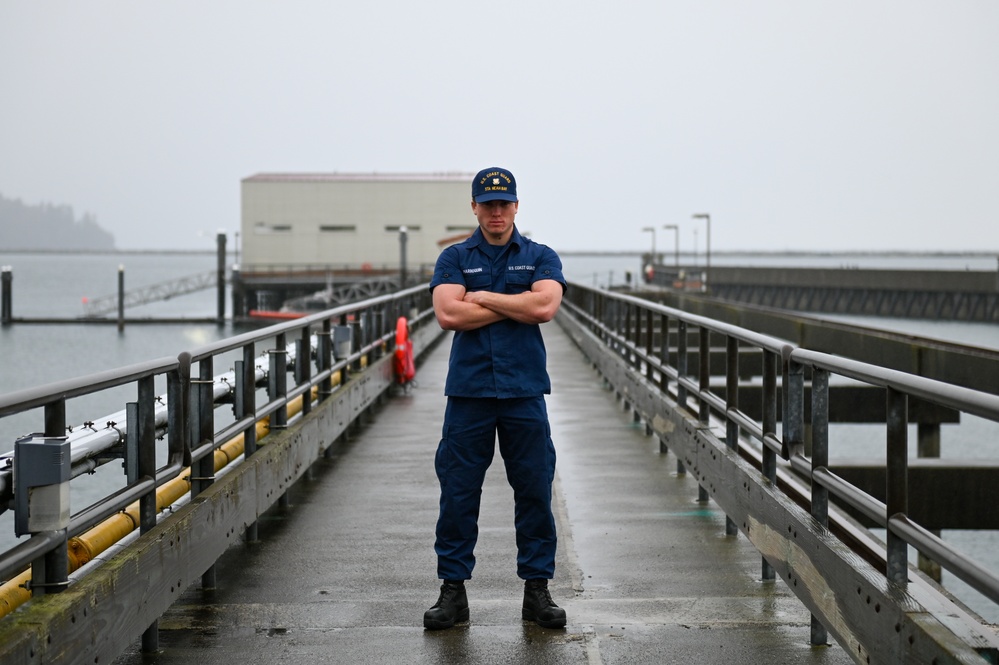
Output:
x,y
405,370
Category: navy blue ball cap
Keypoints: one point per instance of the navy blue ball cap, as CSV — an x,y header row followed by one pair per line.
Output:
x,y
494,184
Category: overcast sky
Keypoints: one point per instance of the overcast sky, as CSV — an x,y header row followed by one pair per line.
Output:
x,y
848,125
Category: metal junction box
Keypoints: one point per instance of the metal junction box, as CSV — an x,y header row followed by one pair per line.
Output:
x,y
42,467
342,338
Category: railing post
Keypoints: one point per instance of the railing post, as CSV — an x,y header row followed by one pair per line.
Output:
x,y
820,460
145,421
178,446
664,351
179,411
246,405
928,445
599,311
54,573
324,357
203,471
303,367
793,423
731,390
378,331
356,342
664,364
277,388
731,404
614,323
611,315
41,498
820,442
704,374
277,385
681,373
897,495
649,333
769,422
626,334
146,467
366,332
704,385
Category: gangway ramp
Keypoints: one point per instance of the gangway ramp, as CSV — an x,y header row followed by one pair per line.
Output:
x,y
108,304
344,574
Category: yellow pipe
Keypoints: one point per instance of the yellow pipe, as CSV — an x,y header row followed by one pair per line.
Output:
x,y
12,593
86,546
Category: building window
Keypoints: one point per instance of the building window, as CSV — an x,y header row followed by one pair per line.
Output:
x,y
337,228
395,228
460,227
265,228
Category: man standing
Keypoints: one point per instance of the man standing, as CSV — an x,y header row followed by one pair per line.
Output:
x,y
494,290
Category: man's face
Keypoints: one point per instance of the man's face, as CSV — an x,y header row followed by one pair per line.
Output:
x,y
496,219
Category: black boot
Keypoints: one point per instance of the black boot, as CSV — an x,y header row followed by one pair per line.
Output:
x,y
452,606
539,606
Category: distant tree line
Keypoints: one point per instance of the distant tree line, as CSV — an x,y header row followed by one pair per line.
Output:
x,y
47,226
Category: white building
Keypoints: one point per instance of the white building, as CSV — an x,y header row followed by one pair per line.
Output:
x,y
351,220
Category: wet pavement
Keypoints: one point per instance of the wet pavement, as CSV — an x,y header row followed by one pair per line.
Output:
x,y
344,574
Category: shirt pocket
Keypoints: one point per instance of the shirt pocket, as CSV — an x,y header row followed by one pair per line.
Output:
x,y
478,281
518,281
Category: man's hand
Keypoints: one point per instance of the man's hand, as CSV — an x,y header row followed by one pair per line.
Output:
x,y
453,313
457,309
535,306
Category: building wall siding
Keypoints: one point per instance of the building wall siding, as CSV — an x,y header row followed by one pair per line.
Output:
x,y
350,220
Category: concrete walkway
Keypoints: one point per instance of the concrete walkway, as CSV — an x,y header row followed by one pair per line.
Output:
x,y
644,571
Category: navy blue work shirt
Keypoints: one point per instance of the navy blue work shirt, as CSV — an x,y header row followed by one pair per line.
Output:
x,y
507,358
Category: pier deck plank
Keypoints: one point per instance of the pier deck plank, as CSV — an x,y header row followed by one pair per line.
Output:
x,y
645,572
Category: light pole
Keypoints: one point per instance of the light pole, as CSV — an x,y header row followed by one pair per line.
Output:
x,y
707,218
676,238
652,230
403,233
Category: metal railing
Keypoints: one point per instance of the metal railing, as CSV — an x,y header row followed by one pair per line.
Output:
x,y
661,363
185,415
892,515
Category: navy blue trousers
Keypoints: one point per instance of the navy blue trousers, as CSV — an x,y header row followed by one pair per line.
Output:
x,y
468,440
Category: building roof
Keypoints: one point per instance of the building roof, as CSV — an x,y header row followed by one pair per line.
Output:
x,y
451,176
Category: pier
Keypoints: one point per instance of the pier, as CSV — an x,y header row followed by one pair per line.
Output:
x,y
694,527
346,570
958,295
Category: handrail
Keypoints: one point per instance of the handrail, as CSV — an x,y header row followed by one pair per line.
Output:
x,y
640,331
186,412
898,523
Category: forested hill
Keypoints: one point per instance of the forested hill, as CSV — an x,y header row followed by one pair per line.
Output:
x,y
47,226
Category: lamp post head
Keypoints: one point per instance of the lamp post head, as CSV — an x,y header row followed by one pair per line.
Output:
x,y
701,215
